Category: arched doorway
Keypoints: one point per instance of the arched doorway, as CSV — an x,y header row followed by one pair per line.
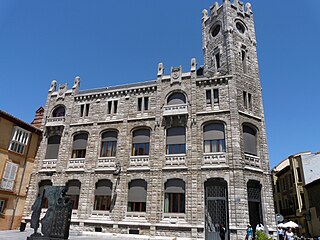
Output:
x,y
216,209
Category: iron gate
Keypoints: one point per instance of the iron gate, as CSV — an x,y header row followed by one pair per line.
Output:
x,y
216,209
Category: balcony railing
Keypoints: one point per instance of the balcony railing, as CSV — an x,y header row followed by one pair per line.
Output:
x,y
215,158
251,160
139,161
176,160
49,164
179,109
76,164
106,163
55,121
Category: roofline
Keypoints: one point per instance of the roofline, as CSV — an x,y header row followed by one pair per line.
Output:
x,y
20,123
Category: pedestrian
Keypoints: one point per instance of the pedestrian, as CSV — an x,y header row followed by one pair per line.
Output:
x,y
289,234
249,232
222,232
280,233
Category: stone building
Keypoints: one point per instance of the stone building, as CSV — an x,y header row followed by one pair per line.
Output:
x,y
19,142
177,156
297,189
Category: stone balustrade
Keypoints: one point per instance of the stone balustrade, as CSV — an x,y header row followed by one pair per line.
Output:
x,y
176,160
105,163
76,164
49,164
178,109
139,161
215,158
252,160
55,121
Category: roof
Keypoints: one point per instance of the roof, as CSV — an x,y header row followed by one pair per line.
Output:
x,y
19,122
130,85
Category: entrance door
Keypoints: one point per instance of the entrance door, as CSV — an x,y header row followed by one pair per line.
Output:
x,y
254,203
216,210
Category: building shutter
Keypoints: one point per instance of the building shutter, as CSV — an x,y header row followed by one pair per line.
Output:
x,y
73,187
175,186
80,141
141,136
213,132
249,140
9,176
176,98
103,188
176,135
137,191
53,147
110,136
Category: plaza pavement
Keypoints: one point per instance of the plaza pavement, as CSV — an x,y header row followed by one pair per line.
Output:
x,y
17,235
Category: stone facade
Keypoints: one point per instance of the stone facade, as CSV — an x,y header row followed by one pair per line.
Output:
x,y
225,92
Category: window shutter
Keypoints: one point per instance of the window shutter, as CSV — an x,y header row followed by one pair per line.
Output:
x,y
176,135
141,136
9,176
213,132
137,191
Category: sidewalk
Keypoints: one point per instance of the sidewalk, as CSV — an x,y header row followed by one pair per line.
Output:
x,y
17,235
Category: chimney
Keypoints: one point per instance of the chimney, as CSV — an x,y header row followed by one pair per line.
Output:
x,y
38,118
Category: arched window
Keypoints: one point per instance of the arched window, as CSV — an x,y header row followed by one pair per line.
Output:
x,y
53,147
109,144
42,185
174,200
249,140
176,98
59,111
79,145
137,196
214,138
140,142
254,202
73,192
102,195
176,140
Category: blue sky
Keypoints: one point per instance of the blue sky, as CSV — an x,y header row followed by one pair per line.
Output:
x,y
114,42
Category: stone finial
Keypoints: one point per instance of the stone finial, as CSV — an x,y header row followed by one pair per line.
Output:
x,y
53,86
204,15
248,8
160,69
193,65
214,9
76,85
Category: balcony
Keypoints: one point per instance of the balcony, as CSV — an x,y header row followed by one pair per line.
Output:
x,y
252,160
55,121
106,163
176,160
139,161
213,159
76,164
49,165
179,109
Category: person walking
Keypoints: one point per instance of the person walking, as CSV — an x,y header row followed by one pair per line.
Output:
x,y
222,232
249,232
280,233
289,234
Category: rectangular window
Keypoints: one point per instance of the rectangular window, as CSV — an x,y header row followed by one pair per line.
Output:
x,y
2,205
81,110
102,203
115,106
245,100
146,103
87,109
140,149
176,148
216,96
79,153
299,175
109,107
214,146
174,203
108,149
217,56
250,101
9,176
139,104
136,206
208,96
19,140
244,61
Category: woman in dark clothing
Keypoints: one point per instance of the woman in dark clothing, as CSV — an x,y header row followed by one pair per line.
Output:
x,y
222,232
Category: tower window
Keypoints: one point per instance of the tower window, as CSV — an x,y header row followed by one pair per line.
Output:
x,y
84,110
139,104
143,103
112,107
208,96
217,56
244,61
245,99
109,107
241,28
215,30
216,96
212,94
115,106
249,101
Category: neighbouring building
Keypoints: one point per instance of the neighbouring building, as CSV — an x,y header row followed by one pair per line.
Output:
x,y
177,156
297,191
19,142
